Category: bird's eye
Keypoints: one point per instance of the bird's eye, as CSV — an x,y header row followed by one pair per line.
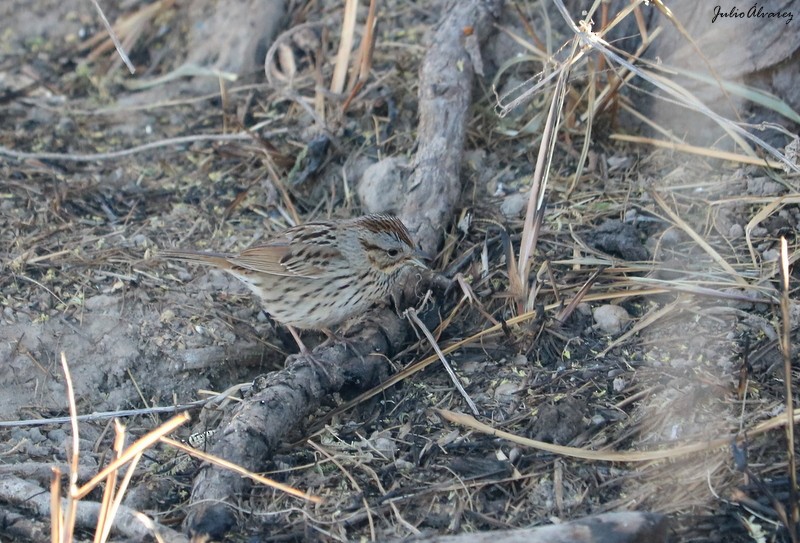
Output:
x,y
393,252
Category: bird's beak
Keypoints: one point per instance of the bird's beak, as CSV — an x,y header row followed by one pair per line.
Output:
x,y
418,258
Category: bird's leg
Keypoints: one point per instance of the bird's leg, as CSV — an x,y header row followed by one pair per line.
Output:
x,y
303,349
333,338
308,355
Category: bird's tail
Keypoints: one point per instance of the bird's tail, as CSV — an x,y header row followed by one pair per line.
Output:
x,y
219,260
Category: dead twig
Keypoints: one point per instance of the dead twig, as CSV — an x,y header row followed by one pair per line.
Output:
x,y
113,155
786,351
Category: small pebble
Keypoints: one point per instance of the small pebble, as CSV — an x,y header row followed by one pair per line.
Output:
x,y
65,126
671,237
610,318
617,162
383,185
244,313
514,205
475,159
101,301
506,390
763,186
140,240
777,410
57,436
736,231
384,445
37,451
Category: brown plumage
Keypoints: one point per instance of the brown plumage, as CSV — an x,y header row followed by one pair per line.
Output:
x,y
319,274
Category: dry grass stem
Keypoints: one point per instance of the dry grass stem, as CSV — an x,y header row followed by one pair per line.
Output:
x,y
56,513
365,53
136,448
67,517
106,516
610,456
425,362
353,482
674,91
539,179
346,40
786,351
114,38
114,155
768,210
683,225
700,151
221,462
412,315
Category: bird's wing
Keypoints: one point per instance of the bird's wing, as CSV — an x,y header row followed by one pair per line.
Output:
x,y
264,259
295,253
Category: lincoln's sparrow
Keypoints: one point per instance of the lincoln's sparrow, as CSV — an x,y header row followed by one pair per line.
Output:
x,y
319,274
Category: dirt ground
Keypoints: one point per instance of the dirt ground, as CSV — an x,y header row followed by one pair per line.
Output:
x,y
674,343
